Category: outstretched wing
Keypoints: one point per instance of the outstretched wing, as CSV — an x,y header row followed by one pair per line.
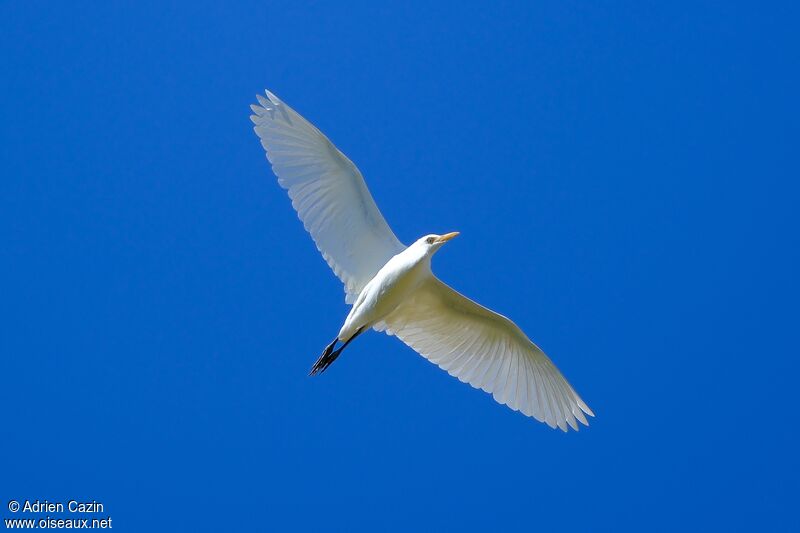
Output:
x,y
328,193
488,351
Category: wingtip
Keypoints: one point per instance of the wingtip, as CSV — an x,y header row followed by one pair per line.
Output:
x,y
263,101
272,98
577,413
573,423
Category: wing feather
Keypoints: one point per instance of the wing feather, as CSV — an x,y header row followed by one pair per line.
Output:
x,y
488,351
328,193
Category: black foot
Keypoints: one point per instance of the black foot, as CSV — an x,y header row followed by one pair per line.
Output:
x,y
328,356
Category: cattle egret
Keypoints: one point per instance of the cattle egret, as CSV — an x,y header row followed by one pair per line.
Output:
x,y
391,286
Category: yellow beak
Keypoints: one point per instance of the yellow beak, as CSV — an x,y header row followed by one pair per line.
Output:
x,y
447,236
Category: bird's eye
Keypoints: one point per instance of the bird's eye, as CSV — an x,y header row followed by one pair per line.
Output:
x,y
429,240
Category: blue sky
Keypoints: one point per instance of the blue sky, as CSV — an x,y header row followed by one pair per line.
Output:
x,y
625,181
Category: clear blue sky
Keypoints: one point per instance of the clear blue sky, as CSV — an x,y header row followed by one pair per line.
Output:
x,y
625,179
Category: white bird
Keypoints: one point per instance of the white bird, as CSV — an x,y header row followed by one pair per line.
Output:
x,y
391,287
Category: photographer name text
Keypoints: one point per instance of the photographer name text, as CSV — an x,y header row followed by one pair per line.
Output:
x,y
45,506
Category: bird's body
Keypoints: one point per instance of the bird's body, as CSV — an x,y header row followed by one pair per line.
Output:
x,y
392,287
394,284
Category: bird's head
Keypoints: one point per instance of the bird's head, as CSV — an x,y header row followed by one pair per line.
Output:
x,y
431,243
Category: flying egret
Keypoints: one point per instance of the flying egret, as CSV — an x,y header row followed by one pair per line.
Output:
x,y
391,286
